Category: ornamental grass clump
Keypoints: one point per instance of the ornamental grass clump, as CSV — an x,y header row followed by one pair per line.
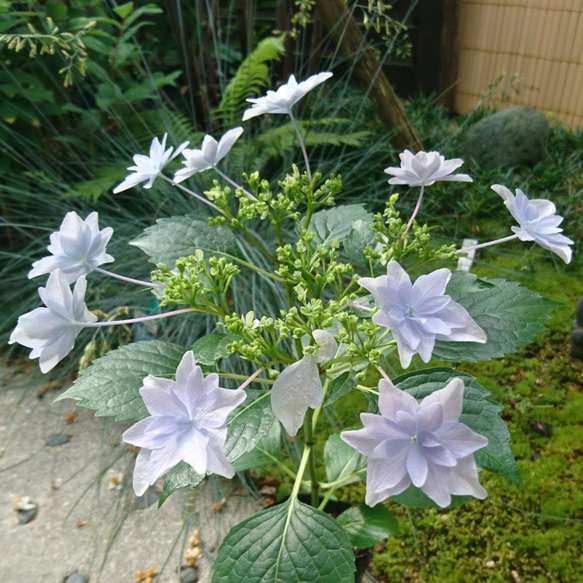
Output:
x,y
368,301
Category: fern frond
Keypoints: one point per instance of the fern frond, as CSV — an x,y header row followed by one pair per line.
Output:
x,y
274,143
251,78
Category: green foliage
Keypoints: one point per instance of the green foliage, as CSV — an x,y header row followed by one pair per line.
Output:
x,y
342,461
110,386
170,239
366,526
510,315
285,543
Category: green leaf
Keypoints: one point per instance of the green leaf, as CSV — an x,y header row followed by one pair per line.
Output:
x,y
286,543
358,239
180,476
341,460
336,223
248,424
414,498
170,239
110,386
366,526
212,347
267,448
509,314
479,414
339,387
124,10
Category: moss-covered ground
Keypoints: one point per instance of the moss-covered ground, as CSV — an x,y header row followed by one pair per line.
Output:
x,y
533,533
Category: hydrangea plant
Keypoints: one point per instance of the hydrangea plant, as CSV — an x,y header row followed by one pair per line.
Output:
x,y
364,312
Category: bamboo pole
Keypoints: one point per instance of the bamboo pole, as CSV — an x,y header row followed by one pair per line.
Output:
x,y
366,70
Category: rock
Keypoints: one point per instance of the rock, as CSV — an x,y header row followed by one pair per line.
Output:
x,y
188,575
512,137
57,439
76,577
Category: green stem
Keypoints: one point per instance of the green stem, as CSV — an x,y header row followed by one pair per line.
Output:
x,y
309,443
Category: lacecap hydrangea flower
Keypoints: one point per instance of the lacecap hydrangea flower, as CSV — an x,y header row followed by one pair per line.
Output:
x,y
51,331
420,443
286,96
77,248
210,154
425,168
187,423
537,220
148,168
419,313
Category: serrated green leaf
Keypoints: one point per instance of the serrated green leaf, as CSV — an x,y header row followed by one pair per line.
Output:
x,y
180,476
509,314
366,526
212,347
336,223
267,449
339,387
341,460
358,239
110,386
248,424
286,543
170,239
479,414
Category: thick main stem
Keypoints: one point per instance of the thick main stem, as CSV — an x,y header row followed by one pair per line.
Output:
x,y
309,442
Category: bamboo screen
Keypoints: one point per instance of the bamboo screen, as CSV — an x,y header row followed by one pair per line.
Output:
x,y
522,52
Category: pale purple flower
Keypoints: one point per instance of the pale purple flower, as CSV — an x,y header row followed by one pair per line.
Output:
x,y
148,168
77,248
419,314
210,154
299,387
425,168
51,331
187,422
423,444
286,96
537,220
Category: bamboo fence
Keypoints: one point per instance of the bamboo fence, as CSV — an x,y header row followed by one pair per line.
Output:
x,y
522,52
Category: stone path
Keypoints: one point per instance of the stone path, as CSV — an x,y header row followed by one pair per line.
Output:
x,y
84,523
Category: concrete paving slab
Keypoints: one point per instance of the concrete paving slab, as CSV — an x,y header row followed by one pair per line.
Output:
x,y
84,523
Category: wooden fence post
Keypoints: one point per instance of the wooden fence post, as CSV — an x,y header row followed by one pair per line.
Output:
x,y
337,19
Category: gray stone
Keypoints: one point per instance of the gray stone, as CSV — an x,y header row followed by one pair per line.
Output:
x,y
512,137
188,575
76,577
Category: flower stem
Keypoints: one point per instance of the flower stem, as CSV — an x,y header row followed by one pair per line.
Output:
x,y
415,210
487,244
197,196
128,279
234,184
302,144
134,320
